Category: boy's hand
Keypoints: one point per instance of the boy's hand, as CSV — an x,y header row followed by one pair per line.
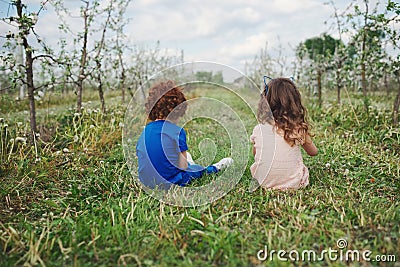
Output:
x,y
183,163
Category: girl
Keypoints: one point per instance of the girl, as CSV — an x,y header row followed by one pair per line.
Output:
x,y
161,149
277,139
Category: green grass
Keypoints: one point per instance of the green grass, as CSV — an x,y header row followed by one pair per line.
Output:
x,y
81,206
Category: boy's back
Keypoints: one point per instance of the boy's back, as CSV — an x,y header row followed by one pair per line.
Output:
x,y
157,149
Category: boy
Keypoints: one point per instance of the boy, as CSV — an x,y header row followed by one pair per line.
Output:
x,y
162,153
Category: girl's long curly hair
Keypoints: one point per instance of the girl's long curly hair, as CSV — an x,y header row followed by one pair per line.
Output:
x,y
282,107
165,100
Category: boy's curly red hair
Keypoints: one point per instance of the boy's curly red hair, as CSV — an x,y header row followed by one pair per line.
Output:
x,y
165,100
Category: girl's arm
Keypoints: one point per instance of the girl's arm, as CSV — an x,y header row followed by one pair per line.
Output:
x,y
253,142
309,147
182,160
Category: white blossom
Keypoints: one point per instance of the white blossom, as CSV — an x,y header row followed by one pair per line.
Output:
x,y
20,139
327,165
34,18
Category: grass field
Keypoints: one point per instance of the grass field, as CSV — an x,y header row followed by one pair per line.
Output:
x,y
70,200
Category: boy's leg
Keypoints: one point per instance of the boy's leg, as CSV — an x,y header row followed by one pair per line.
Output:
x,y
195,171
211,169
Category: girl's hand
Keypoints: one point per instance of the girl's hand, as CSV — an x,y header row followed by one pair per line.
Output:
x,y
253,142
309,146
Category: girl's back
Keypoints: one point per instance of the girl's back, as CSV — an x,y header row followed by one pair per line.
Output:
x,y
277,164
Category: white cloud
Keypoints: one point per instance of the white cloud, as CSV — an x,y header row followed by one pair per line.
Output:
x,y
229,31
248,14
290,6
249,46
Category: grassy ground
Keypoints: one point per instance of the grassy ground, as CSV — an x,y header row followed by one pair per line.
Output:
x,y
71,201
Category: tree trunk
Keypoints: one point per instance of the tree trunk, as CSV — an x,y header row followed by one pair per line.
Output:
x,y
338,81
100,86
123,75
339,87
363,59
64,88
30,86
319,74
101,95
363,80
99,59
396,103
385,81
21,61
28,67
82,71
300,69
122,84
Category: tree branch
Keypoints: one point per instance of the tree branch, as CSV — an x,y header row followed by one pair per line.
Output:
x,y
5,88
48,56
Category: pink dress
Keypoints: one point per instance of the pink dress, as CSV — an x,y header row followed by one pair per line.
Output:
x,y
277,164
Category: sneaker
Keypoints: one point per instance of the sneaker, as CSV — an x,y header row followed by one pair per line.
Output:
x,y
223,163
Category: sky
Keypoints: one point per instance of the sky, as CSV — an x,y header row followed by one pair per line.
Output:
x,y
229,32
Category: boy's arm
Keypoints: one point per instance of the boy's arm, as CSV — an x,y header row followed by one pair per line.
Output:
x,y
182,157
309,147
182,161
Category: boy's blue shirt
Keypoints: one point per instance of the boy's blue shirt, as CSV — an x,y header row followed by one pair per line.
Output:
x,y
158,151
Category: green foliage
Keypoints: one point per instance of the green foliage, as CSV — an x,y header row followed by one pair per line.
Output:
x,y
8,104
323,46
218,78
204,76
393,6
208,76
